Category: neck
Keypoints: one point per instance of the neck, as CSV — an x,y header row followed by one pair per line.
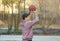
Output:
x,y
26,20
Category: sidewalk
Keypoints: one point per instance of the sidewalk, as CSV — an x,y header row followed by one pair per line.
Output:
x,y
35,38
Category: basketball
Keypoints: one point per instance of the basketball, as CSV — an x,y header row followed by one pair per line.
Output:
x,y
32,8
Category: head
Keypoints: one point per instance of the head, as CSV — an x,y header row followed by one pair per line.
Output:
x,y
26,16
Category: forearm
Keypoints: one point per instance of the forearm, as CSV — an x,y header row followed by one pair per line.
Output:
x,y
36,16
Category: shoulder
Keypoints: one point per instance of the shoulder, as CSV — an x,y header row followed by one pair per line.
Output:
x,y
28,22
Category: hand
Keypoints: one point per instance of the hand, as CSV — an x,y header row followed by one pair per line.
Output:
x,y
32,11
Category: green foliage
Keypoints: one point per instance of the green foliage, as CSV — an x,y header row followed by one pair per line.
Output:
x,y
12,1
8,2
4,2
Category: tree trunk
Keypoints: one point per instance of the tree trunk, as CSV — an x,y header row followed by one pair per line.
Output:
x,y
3,14
10,21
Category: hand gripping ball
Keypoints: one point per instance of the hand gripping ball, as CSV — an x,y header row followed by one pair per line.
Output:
x,y
32,8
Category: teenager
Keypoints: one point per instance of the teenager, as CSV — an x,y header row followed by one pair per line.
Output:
x,y
27,23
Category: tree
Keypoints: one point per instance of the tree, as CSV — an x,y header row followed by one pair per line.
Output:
x,y
47,8
4,2
9,3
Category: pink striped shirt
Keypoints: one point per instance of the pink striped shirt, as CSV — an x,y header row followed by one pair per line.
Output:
x,y
27,32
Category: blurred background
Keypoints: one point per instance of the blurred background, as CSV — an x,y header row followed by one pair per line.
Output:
x,y
12,10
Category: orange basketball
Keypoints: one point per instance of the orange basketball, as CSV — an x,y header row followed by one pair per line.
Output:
x,y
32,8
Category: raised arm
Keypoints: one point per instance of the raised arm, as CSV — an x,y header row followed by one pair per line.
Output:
x,y
36,18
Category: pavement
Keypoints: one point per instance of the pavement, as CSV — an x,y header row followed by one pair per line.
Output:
x,y
35,38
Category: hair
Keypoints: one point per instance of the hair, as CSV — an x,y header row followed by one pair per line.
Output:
x,y
25,15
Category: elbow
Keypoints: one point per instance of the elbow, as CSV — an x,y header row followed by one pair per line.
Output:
x,y
37,20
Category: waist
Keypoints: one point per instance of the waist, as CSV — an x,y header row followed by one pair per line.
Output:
x,y
28,39
30,36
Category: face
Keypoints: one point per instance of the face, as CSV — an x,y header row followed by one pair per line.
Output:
x,y
28,18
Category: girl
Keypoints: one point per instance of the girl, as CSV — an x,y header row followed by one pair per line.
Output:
x,y
27,23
